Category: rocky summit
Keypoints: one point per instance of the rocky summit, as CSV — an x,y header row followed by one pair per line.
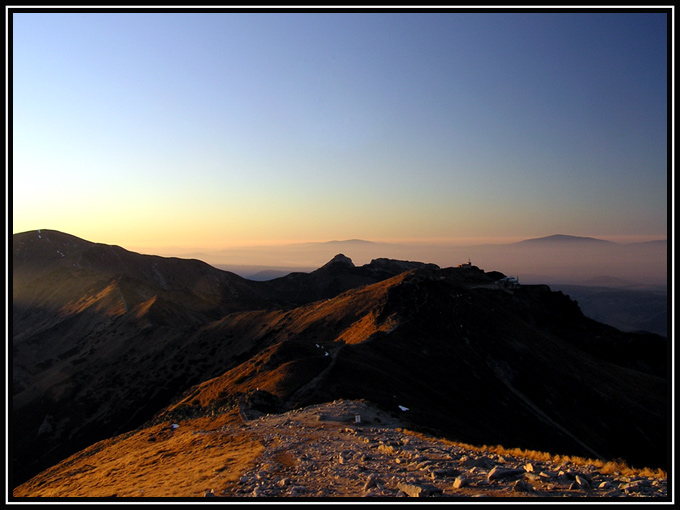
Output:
x,y
352,449
106,342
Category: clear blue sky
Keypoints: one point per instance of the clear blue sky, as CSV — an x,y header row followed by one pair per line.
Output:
x,y
213,130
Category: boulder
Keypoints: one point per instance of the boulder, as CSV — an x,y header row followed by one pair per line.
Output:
x,y
383,448
500,473
443,473
372,481
582,482
414,490
297,490
635,486
522,486
460,481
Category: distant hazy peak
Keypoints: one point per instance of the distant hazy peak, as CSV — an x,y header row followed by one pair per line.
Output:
x,y
564,238
349,241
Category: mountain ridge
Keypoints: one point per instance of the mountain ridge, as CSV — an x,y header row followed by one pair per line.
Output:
x,y
564,262
191,339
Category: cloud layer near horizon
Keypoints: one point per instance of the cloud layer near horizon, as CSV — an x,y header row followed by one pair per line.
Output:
x,y
574,262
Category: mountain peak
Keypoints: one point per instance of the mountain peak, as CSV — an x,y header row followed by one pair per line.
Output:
x,y
340,259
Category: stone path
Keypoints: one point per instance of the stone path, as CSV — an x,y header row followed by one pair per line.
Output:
x,y
322,451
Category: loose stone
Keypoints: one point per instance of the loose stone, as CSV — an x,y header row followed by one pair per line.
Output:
x,y
459,482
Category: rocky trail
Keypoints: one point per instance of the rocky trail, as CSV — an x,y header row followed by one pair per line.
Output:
x,y
351,449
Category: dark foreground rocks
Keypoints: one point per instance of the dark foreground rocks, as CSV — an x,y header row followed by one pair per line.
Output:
x,y
351,449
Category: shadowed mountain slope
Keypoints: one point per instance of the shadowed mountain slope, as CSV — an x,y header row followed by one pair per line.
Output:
x,y
102,338
471,362
105,340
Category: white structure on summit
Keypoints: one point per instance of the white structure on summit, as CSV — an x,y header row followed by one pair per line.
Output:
x,y
466,265
510,282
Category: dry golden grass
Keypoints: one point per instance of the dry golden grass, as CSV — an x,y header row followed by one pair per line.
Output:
x,y
153,462
605,467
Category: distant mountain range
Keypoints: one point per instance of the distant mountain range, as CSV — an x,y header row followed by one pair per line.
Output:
x,y
105,340
564,259
555,238
561,238
569,239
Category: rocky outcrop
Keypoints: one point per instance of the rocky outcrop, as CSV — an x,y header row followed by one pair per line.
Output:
x,y
379,459
391,266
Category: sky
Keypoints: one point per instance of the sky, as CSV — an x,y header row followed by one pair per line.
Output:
x,y
168,131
